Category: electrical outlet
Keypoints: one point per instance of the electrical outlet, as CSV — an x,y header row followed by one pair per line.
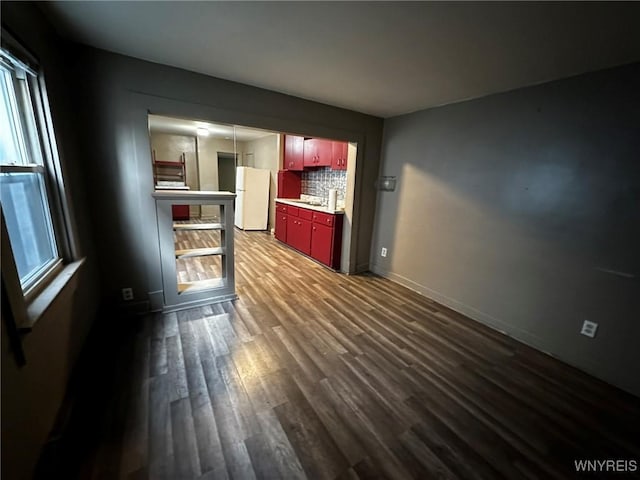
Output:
x,y
383,253
589,328
127,294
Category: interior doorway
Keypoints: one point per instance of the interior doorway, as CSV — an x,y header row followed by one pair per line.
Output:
x,y
227,172
205,157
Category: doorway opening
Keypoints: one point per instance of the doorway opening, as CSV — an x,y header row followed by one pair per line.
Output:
x,y
214,157
227,164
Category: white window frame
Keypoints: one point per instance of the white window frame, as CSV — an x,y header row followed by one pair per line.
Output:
x,y
28,304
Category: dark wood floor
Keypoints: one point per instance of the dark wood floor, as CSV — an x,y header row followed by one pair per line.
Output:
x,y
312,374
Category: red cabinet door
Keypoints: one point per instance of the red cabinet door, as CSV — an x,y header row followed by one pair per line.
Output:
x,y
317,152
281,226
310,152
339,151
289,184
293,152
304,236
324,153
324,219
299,234
180,212
292,231
322,243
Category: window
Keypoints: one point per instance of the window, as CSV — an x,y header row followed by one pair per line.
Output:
x,y
30,181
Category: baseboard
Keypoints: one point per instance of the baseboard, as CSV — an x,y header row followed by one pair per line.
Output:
x,y
523,336
199,303
362,267
135,308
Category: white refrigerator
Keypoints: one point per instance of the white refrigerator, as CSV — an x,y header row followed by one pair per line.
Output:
x,y
252,200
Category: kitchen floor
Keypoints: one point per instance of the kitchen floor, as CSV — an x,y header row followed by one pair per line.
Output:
x,y
192,269
313,374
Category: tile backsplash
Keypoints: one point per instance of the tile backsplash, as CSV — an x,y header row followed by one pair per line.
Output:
x,y
318,182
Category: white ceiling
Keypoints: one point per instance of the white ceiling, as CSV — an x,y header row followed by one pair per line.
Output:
x,y
382,58
182,126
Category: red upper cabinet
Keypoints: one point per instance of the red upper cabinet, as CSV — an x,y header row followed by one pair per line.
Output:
x,y
293,152
289,184
317,152
339,152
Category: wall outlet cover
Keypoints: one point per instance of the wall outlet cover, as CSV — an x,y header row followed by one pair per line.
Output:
x,y
589,328
383,253
127,294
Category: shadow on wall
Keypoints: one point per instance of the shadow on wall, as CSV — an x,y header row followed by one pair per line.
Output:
x,y
520,210
33,394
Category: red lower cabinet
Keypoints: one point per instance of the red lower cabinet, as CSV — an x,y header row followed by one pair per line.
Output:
x,y
321,241
304,236
326,239
180,212
292,231
299,234
313,233
281,227
281,222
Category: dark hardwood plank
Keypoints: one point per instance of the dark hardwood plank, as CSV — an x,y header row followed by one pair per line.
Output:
x,y
318,453
313,374
160,431
178,387
185,447
282,460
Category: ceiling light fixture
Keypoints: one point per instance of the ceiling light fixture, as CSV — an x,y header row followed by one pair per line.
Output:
x,y
202,132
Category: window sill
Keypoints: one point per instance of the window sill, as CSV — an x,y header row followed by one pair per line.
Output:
x,y
43,300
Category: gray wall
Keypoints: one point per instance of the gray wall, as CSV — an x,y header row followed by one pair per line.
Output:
x,y
32,394
516,209
115,93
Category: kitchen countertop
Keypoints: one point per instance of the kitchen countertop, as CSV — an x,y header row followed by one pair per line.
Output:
x,y
318,208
